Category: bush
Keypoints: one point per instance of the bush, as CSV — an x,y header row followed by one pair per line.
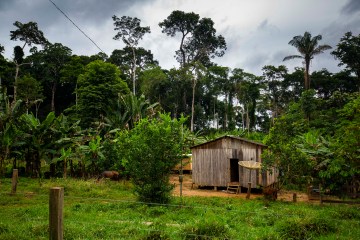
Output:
x,y
150,151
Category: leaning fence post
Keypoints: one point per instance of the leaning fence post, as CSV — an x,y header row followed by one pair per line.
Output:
x,y
248,190
56,204
14,181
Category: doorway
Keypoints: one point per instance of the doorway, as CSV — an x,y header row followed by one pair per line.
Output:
x,y
234,170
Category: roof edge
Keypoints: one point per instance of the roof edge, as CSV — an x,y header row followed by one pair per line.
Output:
x,y
230,136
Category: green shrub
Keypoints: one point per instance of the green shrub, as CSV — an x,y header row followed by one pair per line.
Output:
x,y
151,150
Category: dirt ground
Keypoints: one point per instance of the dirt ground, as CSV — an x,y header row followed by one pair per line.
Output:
x,y
187,190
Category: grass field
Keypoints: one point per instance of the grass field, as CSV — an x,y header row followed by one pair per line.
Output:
x,y
109,210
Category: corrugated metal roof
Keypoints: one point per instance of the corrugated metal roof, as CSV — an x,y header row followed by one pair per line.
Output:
x,y
230,136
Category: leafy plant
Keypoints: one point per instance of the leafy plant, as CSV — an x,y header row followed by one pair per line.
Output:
x,y
150,151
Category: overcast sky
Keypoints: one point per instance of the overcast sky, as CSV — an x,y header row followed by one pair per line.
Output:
x,y
257,32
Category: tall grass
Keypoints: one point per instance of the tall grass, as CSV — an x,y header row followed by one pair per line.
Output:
x,y
109,210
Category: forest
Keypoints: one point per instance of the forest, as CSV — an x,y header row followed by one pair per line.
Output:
x,y
68,115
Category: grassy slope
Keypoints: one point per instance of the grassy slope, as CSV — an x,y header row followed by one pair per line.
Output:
x,y
110,211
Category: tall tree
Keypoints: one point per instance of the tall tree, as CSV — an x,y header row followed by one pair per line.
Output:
x,y
51,61
30,35
248,92
130,32
123,58
199,41
308,47
348,52
98,87
183,23
273,78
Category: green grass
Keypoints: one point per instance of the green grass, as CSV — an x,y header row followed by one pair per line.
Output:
x,y
109,210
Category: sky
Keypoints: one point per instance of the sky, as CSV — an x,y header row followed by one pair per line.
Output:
x,y
257,32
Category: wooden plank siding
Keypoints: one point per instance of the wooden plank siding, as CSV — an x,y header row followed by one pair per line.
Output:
x,y
211,162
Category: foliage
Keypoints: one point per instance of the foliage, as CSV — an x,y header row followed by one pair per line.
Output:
x,y
348,52
28,33
308,47
98,87
38,143
311,150
49,63
30,91
130,32
151,150
198,37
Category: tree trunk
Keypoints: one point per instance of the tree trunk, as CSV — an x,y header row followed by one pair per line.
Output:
x,y
193,105
247,119
182,51
306,74
53,90
134,71
15,83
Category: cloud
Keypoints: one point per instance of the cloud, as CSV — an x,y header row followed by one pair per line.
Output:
x,y
352,7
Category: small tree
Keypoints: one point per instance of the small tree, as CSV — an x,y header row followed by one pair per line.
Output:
x,y
151,150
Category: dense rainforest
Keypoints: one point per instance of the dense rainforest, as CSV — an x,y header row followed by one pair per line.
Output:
x,y
67,115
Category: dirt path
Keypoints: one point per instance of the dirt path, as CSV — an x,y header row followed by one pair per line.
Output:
x,y
187,190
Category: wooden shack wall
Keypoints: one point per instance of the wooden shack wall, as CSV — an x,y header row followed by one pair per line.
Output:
x,y
208,168
211,163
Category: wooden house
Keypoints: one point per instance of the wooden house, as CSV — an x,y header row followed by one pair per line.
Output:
x,y
216,163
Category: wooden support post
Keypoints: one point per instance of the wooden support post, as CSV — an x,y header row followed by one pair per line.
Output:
x,y
14,181
248,190
294,197
56,205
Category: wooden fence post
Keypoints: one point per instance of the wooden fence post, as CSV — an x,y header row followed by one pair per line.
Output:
x,y
56,205
14,181
248,190
294,197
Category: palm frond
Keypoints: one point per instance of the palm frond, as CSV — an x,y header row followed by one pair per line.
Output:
x,y
292,57
321,49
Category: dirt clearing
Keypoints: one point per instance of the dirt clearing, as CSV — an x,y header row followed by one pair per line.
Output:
x,y
187,190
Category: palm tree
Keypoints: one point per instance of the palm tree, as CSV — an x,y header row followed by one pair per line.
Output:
x,y
308,47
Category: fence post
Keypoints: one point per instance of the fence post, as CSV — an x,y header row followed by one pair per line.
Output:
x,y
248,190
294,197
14,181
56,204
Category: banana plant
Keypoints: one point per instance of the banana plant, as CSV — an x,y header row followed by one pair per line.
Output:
x,y
66,154
9,133
39,138
93,154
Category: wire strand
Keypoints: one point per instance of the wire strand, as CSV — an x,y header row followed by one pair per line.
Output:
x,y
76,26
